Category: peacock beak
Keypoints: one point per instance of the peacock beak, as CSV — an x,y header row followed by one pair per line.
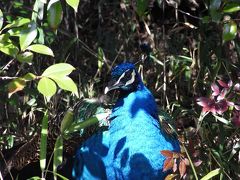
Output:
x,y
126,79
112,85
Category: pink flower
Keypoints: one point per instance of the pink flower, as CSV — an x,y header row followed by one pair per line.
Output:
x,y
210,105
215,89
207,104
221,106
237,87
225,85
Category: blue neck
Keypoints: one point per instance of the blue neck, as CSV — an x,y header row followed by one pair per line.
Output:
x,y
139,100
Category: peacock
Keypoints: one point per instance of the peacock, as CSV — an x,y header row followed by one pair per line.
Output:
x,y
130,147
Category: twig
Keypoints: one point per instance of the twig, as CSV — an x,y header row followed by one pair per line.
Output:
x,y
190,160
7,65
6,166
188,14
7,77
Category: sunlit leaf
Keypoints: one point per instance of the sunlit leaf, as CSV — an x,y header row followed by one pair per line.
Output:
x,y
60,69
223,120
67,120
38,10
167,153
9,48
229,31
66,83
231,7
4,38
235,149
29,76
43,144
175,165
186,161
58,154
35,178
170,177
25,57
1,19
182,168
28,35
54,15
16,85
17,23
168,164
47,87
211,174
82,125
40,48
101,58
73,3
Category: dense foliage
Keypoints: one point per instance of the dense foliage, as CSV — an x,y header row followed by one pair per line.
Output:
x,y
55,52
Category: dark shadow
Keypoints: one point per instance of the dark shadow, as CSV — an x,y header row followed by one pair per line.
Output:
x,y
124,158
89,158
119,146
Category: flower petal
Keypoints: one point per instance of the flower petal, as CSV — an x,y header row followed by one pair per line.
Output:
x,y
215,89
237,87
222,83
203,101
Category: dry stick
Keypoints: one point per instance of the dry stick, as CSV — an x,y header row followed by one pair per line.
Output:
x,y
190,160
7,65
6,166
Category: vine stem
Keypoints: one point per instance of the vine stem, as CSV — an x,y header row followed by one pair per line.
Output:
x,y
191,163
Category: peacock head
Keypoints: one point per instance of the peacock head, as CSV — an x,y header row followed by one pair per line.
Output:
x,y
124,78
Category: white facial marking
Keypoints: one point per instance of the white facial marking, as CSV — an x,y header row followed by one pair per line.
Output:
x,y
132,79
119,79
106,90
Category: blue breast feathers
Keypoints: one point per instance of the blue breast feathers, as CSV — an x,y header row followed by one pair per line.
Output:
x,y
130,149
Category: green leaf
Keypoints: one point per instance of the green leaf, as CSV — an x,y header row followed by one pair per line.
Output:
x,y
231,7
229,31
142,6
67,120
28,35
101,58
82,125
73,3
60,69
55,14
221,119
76,126
1,19
66,83
43,144
58,154
29,76
47,87
4,38
40,48
38,10
25,57
211,174
235,149
16,85
34,178
17,23
9,48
